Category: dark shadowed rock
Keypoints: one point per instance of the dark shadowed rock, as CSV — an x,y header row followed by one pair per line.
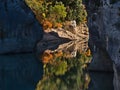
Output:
x,y
106,48
19,29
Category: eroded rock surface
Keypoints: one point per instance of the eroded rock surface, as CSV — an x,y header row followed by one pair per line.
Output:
x,y
19,30
104,29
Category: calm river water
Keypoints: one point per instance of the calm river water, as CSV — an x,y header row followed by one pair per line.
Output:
x,y
62,68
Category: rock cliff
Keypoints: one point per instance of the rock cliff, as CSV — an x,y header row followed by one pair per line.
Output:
x,y
104,40
19,29
73,33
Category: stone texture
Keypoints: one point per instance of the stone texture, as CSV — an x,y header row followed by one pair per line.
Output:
x,y
104,40
76,38
19,30
73,32
70,48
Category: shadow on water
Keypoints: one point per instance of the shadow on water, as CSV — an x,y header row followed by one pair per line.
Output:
x,y
19,72
101,81
63,67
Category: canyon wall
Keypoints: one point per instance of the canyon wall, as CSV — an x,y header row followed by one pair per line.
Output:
x,y
104,39
19,29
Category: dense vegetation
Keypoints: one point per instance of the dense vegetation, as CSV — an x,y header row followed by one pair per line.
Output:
x,y
52,13
64,73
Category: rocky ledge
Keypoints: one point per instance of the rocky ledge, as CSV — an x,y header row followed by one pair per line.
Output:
x,y
52,38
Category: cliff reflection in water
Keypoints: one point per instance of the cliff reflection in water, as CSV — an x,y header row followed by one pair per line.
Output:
x,y
19,72
65,67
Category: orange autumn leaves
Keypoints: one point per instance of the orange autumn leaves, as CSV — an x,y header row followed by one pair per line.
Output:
x,y
48,25
48,56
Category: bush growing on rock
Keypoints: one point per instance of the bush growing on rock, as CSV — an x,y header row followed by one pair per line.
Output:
x,y
58,11
46,10
46,24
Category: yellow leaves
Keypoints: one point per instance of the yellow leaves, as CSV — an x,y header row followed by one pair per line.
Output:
x,y
88,53
43,14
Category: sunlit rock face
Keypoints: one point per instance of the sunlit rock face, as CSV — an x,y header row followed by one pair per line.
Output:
x,y
104,29
19,30
73,32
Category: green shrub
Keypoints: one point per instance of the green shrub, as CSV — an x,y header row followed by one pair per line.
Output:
x,y
58,11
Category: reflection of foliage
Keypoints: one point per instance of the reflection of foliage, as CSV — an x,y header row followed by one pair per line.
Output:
x,y
58,68
88,53
65,73
47,57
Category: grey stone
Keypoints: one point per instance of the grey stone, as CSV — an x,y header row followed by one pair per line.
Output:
x,y
106,38
19,29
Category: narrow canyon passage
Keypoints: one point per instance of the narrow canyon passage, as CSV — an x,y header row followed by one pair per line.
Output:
x,y
72,50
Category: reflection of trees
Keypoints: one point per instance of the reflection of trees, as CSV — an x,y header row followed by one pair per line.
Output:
x,y
64,73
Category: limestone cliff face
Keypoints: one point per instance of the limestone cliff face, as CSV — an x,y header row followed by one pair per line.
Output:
x,y
104,41
19,30
73,33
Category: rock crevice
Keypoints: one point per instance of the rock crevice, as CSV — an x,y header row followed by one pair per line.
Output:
x,y
104,30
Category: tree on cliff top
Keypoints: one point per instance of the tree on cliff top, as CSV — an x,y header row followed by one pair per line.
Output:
x,y
58,10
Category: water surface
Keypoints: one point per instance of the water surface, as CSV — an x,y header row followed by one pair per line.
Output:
x,y
19,72
61,68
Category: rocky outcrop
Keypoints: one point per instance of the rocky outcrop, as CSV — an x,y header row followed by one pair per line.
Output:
x,y
68,46
70,31
73,33
54,37
104,41
76,37
19,30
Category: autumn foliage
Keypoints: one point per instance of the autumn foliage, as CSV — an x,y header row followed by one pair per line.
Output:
x,y
47,57
58,25
47,24
57,12
88,53
59,54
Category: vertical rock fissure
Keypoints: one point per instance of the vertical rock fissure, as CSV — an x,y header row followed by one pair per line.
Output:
x,y
104,30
